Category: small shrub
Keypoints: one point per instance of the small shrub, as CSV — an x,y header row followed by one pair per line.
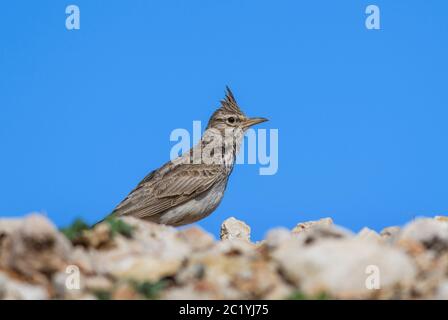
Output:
x,y
118,226
103,295
75,230
150,290
299,295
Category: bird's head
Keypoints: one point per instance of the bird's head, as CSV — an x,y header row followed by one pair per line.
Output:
x,y
230,116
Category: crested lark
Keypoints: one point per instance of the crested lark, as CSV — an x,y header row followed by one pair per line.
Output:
x,y
191,186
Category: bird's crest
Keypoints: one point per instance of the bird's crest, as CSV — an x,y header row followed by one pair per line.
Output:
x,y
229,103
228,106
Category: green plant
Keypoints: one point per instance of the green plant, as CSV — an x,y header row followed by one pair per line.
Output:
x,y
299,295
118,226
75,230
103,295
150,290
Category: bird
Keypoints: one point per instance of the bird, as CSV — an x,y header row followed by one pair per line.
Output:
x,y
191,186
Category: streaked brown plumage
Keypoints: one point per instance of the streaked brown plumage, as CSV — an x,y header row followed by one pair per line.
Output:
x,y
190,187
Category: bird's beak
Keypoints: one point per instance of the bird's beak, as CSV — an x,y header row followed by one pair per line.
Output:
x,y
253,121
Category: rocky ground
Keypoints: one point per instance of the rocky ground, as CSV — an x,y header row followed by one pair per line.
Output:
x,y
132,259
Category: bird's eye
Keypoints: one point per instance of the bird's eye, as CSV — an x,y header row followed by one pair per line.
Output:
x,y
231,120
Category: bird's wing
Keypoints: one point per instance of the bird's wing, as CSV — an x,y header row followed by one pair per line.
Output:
x,y
156,194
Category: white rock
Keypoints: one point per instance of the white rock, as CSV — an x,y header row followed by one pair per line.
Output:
x,y
276,237
15,290
145,268
153,252
34,248
441,218
231,275
234,246
318,233
339,267
431,233
368,235
442,291
80,258
197,238
390,232
190,292
9,225
62,290
235,229
310,224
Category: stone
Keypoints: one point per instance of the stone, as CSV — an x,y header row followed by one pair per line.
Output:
x,y
196,291
98,283
430,274
99,237
316,257
276,237
316,233
62,291
230,276
368,235
235,229
125,292
146,230
16,290
442,291
340,268
441,218
390,232
197,238
89,286
9,225
35,249
81,258
310,224
235,247
153,252
143,268
430,233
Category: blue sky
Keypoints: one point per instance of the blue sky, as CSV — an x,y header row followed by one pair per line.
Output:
x,y
361,114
